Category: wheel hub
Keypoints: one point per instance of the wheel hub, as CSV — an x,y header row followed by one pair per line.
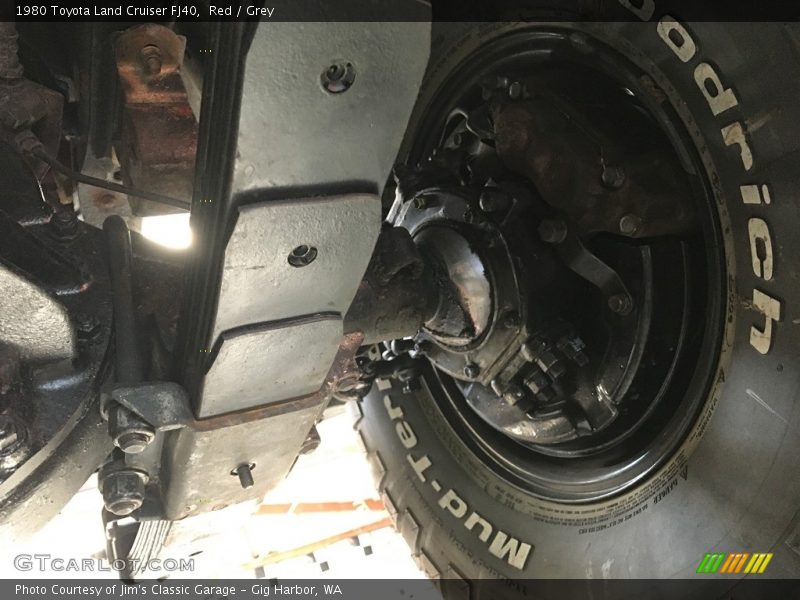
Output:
x,y
560,228
497,328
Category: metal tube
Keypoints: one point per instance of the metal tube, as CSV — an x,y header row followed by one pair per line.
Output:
x,y
108,185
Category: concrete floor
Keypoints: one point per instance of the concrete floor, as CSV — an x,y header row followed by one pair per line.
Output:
x,y
245,541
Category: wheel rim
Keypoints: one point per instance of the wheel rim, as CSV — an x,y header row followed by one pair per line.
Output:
x,y
677,283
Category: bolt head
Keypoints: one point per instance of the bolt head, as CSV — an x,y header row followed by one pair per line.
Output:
x,y
472,370
629,224
338,77
493,200
612,177
620,304
133,442
151,56
129,432
302,256
553,231
245,474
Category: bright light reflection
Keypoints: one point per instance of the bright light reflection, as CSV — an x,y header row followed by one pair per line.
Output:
x,y
172,231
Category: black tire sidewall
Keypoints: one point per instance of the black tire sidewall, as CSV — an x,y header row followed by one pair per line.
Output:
x,y
734,485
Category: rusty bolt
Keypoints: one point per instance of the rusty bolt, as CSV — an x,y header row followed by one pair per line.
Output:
x,y
151,57
629,224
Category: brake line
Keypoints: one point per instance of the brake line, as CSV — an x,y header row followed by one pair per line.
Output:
x,y
108,185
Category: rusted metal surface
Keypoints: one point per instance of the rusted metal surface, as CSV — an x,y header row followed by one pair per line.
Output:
x,y
342,369
599,182
394,298
159,130
29,113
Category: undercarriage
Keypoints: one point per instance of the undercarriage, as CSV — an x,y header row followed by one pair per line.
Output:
x,y
539,247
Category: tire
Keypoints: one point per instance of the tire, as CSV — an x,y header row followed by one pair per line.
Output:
x,y
733,485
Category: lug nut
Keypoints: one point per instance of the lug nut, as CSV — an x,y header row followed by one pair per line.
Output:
x,y
515,90
629,224
553,231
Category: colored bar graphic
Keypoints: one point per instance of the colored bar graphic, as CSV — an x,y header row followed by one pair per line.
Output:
x,y
711,563
703,563
721,562
727,564
735,563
